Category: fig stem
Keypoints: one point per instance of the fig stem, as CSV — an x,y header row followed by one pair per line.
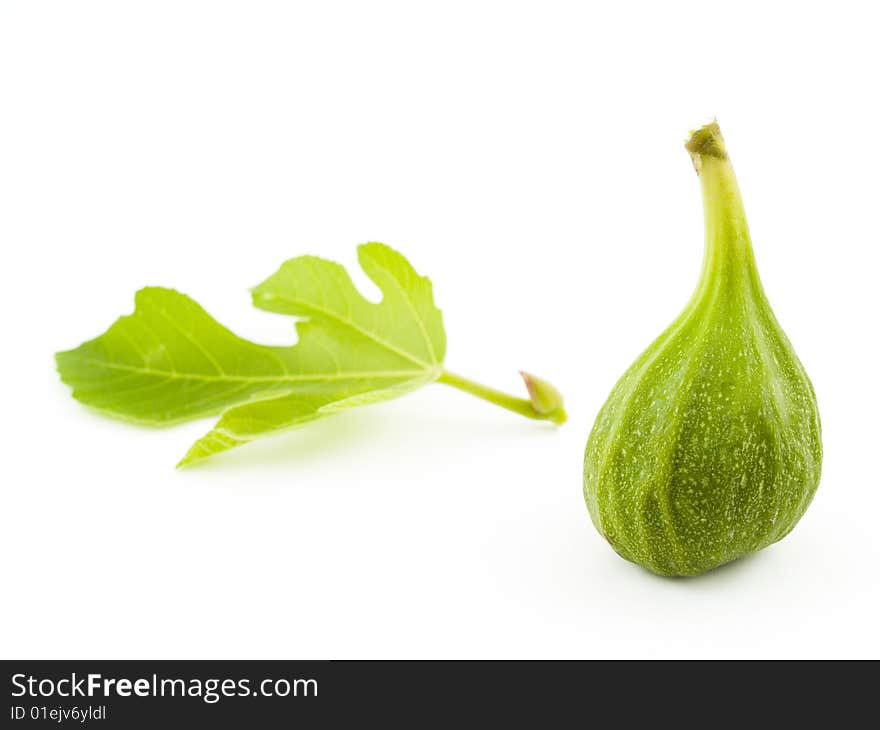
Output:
x,y
522,406
706,142
728,249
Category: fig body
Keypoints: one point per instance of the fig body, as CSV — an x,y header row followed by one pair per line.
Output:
x,y
709,447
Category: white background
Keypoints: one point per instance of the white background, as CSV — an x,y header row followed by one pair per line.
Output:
x,y
527,157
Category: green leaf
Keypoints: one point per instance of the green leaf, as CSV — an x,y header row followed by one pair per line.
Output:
x,y
170,361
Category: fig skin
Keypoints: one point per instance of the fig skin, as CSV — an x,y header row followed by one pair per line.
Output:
x,y
709,447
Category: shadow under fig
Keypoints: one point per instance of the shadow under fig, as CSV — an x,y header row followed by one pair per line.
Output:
x,y
721,575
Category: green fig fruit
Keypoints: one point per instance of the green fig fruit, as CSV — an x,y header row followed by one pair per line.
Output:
x,y
709,447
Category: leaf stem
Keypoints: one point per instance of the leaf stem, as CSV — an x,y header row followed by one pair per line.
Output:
x,y
522,406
